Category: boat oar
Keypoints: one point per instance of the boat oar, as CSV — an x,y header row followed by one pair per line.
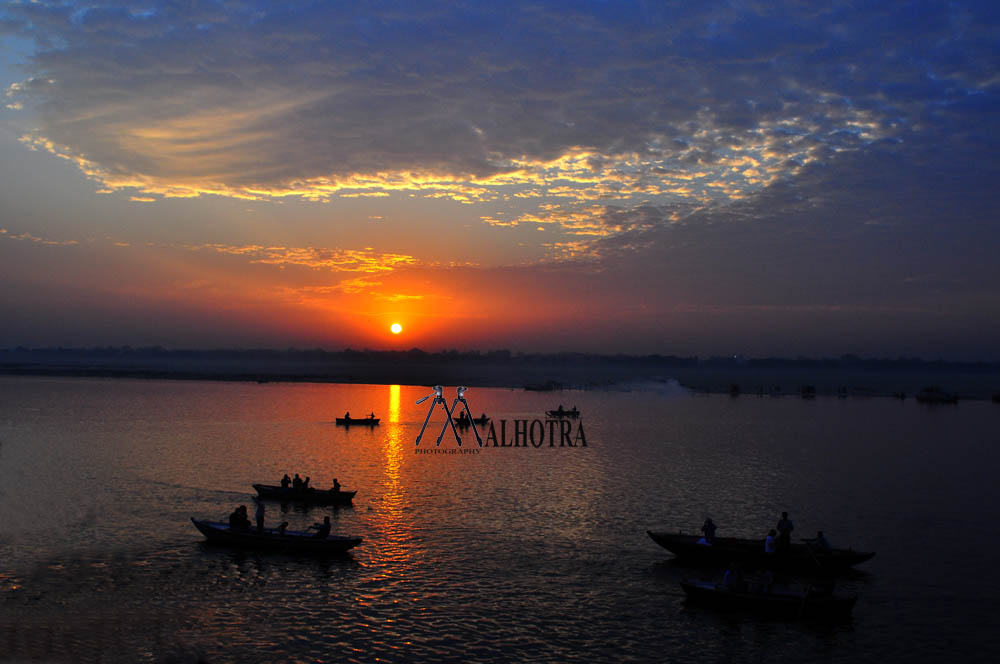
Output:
x,y
813,555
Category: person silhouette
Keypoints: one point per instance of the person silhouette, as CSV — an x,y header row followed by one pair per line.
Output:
x,y
322,529
785,528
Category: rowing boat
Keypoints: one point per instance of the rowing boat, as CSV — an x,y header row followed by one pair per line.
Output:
x,y
750,553
353,422
464,421
292,541
308,495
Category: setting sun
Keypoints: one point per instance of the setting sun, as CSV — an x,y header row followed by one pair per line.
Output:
x,y
396,328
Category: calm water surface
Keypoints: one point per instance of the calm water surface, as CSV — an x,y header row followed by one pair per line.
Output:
x,y
510,554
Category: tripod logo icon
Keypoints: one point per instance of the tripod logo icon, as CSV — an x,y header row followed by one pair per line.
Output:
x,y
439,399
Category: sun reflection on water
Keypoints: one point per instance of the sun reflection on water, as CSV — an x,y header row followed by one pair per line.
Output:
x,y
394,403
390,515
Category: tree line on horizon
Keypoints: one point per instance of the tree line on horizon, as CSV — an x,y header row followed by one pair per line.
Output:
x,y
502,356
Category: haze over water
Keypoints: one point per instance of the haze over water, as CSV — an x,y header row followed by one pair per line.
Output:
x,y
506,554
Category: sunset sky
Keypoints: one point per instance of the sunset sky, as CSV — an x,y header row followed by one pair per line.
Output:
x,y
713,178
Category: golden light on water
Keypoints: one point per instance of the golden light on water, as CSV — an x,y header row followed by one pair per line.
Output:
x,y
394,403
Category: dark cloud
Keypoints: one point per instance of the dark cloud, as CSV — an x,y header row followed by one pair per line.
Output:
x,y
323,90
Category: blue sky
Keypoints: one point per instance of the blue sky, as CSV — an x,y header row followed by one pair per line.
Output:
x,y
757,178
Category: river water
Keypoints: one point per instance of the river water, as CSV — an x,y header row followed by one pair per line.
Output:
x,y
493,554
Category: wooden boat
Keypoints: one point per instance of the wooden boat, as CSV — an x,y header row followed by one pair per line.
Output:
x,y
810,603
723,551
358,422
464,421
293,541
563,413
308,495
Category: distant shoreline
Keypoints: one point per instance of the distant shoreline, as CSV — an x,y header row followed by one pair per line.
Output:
x,y
844,377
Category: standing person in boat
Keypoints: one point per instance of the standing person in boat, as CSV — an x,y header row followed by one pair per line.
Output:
x,y
336,486
709,529
285,481
785,528
371,415
770,545
297,482
322,529
259,515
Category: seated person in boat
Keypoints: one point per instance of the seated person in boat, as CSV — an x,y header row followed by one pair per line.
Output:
x,y
285,481
305,483
336,486
347,415
297,482
733,580
371,416
770,543
819,543
239,520
322,529
765,582
483,418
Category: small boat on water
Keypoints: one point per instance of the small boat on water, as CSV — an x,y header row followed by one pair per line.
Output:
x,y
308,495
724,551
358,422
291,541
809,603
464,421
935,395
563,413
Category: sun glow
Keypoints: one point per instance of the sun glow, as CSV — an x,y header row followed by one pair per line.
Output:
x,y
396,328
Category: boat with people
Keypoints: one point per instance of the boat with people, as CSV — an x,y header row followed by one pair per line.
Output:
x,y
462,420
809,603
561,412
724,551
934,395
275,539
358,422
307,495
